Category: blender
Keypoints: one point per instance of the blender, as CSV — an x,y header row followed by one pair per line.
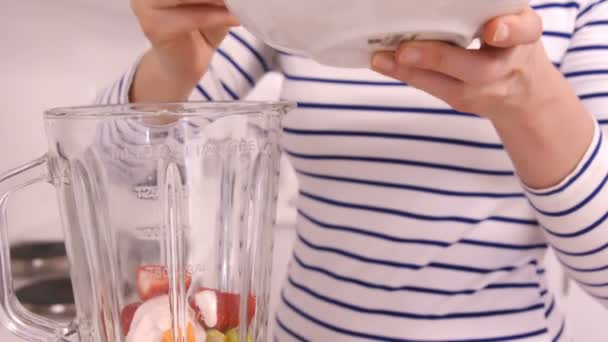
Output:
x,y
168,213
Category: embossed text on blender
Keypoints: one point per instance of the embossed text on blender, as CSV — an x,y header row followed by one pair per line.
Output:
x,y
188,150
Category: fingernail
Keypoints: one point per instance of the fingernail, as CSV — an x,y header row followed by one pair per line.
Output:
x,y
410,55
384,62
502,33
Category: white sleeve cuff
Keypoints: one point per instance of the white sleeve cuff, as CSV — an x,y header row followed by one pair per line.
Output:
x,y
580,185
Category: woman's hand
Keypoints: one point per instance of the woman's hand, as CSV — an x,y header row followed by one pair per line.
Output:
x,y
510,80
505,76
184,35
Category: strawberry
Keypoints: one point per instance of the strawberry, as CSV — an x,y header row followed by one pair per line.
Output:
x,y
126,317
153,281
220,310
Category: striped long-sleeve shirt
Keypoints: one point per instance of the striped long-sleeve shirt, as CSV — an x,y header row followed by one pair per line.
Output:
x,y
412,223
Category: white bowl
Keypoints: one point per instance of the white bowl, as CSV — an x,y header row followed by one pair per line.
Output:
x,y
344,33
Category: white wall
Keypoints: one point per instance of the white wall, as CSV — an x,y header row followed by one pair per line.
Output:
x,y
53,54
61,52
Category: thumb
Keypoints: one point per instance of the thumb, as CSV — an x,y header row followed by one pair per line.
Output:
x,y
515,29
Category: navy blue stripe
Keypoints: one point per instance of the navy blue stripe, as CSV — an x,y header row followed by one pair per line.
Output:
x,y
371,233
195,125
230,92
592,284
120,85
575,208
376,286
244,73
469,269
560,332
111,95
557,34
401,265
289,331
580,254
589,8
586,73
593,95
253,51
603,122
600,297
132,125
415,216
543,292
551,307
108,99
406,288
385,135
343,81
115,87
587,48
513,286
388,109
503,245
123,139
415,163
353,333
583,231
410,187
540,271
192,127
592,23
357,257
578,174
281,52
571,4
583,270
409,315
204,92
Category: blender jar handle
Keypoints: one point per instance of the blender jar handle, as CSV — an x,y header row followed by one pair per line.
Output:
x,y
13,315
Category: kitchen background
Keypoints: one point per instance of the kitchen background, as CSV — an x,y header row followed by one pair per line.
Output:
x,y
62,52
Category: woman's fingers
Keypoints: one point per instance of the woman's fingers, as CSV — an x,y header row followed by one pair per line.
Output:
x,y
183,19
508,31
471,66
433,82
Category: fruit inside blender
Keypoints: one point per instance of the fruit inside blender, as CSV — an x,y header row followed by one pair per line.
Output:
x,y
212,315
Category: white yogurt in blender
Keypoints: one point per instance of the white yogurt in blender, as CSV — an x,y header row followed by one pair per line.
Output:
x,y
153,319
